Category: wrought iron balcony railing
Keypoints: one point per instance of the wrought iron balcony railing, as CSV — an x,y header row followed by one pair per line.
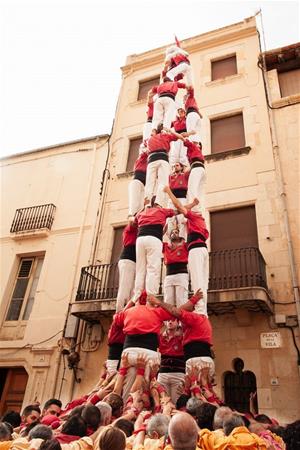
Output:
x,y
33,218
229,269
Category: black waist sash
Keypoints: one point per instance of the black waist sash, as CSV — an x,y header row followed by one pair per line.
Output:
x,y
129,252
181,131
139,175
196,348
179,192
158,154
172,364
191,109
167,94
196,162
155,230
194,237
174,268
149,119
115,350
147,340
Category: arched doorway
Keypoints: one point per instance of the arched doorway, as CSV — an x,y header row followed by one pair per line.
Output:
x,y
238,386
13,382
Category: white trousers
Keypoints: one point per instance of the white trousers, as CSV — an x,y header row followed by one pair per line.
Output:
x,y
148,265
157,175
112,366
199,271
136,194
193,123
147,128
126,282
178,153
183,68
164,111
173,382
176,289
152,357
196,187
201,362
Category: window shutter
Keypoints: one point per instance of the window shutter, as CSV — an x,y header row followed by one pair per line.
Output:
x,y
133,153
223,68
289,82
20,289
145,86
227,133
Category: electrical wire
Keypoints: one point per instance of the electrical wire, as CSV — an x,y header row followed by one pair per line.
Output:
x,y
295,344
35,343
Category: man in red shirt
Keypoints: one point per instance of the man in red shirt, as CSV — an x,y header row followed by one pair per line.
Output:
x,y
193,116
197,173
158,169
147,128
136,187
178,151
198,259
177,279
172,365
197,332
178,182
177,63
151,222
126,266
164,106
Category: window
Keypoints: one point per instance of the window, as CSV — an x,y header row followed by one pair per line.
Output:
x,y
289,82
223,68
233,228
133,152
227,133
25,288
145,86
113,276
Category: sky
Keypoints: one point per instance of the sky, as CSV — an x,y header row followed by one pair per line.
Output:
x,y
60,59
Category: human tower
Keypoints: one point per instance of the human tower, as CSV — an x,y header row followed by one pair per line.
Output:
x,y
165,218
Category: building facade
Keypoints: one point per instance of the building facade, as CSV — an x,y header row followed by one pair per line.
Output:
x,y
49,204
251,154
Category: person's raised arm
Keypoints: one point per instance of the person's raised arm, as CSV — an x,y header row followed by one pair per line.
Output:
x,y
179,136
154,301
177,203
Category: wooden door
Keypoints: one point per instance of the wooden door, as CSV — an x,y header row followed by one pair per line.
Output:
x,y
13,387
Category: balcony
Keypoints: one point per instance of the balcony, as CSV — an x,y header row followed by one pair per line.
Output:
x,y
35,221
237,280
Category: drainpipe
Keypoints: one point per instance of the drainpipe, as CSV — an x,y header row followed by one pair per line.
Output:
x,y
79,244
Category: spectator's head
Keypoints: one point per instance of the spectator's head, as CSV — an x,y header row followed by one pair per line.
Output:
x,y
232,422
183,432
13,418
52,406
193,405
116,403
263,418
158,426
50,444
5,432
31,414
40,432
222,413
74,426
181,402
205,416
125,425
112,438
92,416
106,413
291,435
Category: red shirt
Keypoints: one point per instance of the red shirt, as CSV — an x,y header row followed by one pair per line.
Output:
x,y
196,224
179,59
160,141
150,110
129,235
142,319
193,151
154,216
196,327
179,180
168,87
178,254
179,124
115,333
141,163
190,101
170,346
